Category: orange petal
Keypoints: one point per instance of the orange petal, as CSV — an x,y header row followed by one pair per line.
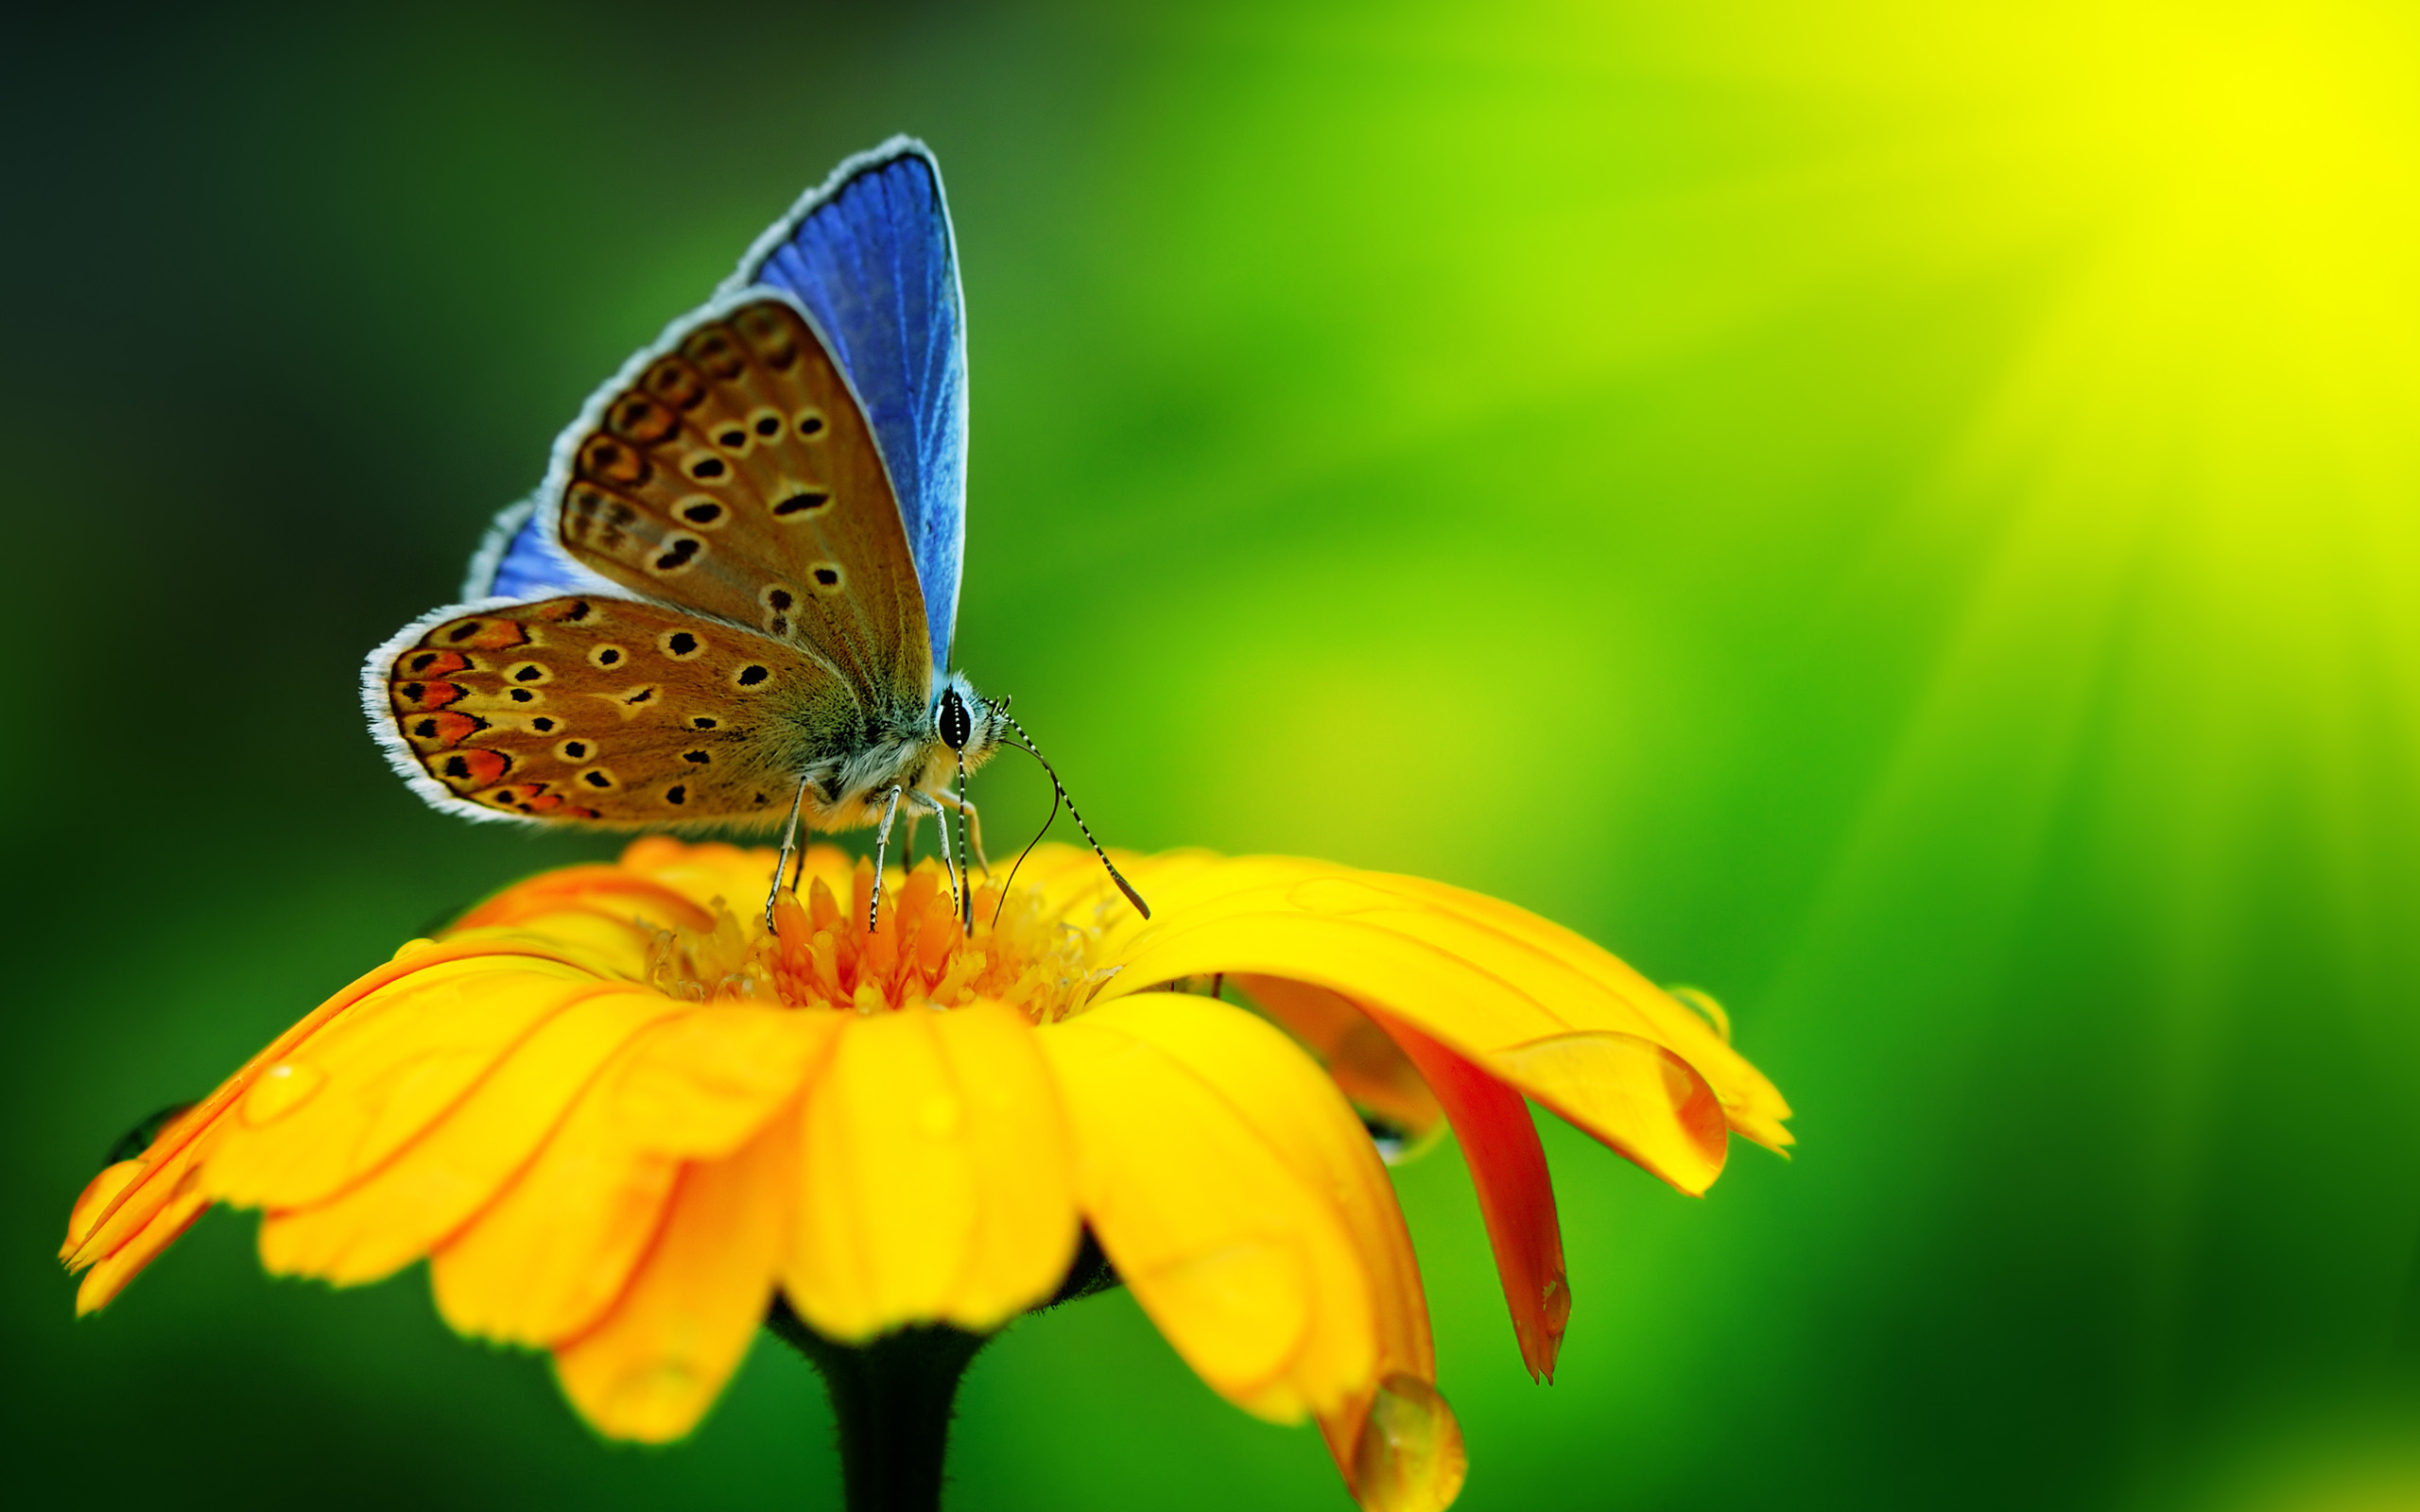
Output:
x,y
935,1175
1240,1200
1515,1196
658,1360
544,1259
416,1200
1369,1068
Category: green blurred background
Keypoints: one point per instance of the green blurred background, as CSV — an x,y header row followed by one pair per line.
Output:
x,y
1903,514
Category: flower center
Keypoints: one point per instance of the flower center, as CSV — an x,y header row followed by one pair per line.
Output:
x,y
822,956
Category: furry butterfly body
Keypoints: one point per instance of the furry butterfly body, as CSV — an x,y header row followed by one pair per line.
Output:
x,y
733,599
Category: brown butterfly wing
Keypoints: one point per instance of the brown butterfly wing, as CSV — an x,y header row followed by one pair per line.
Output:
x,y
737,476
610,711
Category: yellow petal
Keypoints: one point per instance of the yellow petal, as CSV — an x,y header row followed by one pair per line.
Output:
x,y
1456,967
606,910
433,1187
651,1368
935,1181
330,1113
1212,1163
101,1229
1637,1096
98,1193
707,1081
544,1259
109,1274
1753,1104
1393,1438
612,946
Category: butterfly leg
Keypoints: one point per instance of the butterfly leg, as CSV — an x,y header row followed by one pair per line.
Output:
x,y
971,843
881,853
956,892
790,839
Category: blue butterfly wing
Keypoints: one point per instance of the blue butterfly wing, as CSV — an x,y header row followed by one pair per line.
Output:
x,y
520,559
872,257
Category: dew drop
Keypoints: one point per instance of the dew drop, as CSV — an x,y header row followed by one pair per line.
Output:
x,y
282,1089
1409,1456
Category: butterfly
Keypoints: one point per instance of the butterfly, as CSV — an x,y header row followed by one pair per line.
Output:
x,y
734,595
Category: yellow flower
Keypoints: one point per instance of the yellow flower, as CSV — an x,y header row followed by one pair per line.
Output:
x,y
619,1123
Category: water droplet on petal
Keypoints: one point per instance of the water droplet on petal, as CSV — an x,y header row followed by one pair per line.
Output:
x,y
282,1089
1410,1455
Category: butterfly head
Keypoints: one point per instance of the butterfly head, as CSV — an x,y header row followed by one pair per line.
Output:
x,y
969,724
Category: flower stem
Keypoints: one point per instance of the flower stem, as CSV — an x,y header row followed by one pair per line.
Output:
x,y
891,1405
891,1395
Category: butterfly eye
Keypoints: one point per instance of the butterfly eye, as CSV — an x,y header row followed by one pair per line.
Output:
x,y
958,727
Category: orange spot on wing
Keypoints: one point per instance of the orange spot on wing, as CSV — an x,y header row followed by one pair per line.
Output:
x,y
428,663
412,696
491,635
475,767
437,732
533,799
